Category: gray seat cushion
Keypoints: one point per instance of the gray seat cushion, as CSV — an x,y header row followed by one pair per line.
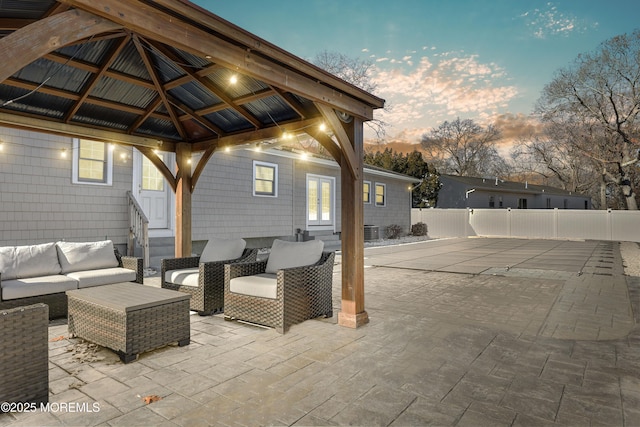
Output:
x,y
35,286
263,285
182,277
103,276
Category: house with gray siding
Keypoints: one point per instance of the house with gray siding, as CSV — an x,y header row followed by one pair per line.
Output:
x,y
59,188
472,192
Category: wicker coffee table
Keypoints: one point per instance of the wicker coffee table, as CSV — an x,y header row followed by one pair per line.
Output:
x,y
129,318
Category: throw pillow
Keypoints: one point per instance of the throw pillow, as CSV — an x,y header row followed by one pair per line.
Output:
x,y
76,256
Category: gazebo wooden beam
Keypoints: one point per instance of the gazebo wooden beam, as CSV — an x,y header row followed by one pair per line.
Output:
x,y
26,45
154,24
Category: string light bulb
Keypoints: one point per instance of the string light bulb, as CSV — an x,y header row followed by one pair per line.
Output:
x,y
63,153
233,79
323,127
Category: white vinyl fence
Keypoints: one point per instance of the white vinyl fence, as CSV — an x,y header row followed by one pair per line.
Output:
x,y
531,223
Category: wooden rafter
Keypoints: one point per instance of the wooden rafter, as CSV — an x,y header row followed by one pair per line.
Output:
x,y
32,42
95,78
158,84
209,85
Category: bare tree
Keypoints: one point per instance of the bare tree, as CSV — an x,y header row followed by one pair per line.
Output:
x,y
597,101
464,148
357,72
553,159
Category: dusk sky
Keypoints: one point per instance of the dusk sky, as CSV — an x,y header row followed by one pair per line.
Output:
x,y
486,60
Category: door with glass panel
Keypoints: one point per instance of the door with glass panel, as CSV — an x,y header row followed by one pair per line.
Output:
x,y
151,190
320,201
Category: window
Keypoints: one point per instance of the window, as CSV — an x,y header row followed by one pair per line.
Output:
x,y
492,202
500,204
548,202
381,197
265,179
522,203
366,192
92,162
152,179
566,203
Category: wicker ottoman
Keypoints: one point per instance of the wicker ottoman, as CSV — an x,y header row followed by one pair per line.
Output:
x,y
129,318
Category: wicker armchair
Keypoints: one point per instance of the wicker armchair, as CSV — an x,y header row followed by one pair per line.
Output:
x,y
208,296
302,293
24,358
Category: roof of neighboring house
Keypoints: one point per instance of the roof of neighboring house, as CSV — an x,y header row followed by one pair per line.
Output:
x,y
500,185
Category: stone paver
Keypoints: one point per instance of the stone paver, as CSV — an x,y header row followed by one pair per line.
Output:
x,y
462,332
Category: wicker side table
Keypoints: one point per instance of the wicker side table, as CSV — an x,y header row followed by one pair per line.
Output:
x,y
129,318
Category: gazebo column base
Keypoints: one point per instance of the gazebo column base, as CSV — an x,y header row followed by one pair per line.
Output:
x,y
350,320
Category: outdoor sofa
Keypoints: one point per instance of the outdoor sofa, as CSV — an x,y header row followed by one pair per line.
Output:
x,y
203,276
294,284
42,273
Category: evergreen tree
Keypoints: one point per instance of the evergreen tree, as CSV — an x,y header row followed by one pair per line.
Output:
x,y
412,164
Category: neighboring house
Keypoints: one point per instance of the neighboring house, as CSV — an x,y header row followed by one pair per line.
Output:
x,y
470,192
59,188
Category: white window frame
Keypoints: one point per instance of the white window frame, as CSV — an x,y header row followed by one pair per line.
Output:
x,y
384,193
75,179
367,182
257,163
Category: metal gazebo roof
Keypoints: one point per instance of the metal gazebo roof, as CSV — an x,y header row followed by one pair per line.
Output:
x,y
139,84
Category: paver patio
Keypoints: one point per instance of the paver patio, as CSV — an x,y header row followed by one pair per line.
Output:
x,y
462,332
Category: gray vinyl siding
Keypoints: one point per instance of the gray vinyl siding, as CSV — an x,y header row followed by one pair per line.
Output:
x,y
38,202
223,204
397,209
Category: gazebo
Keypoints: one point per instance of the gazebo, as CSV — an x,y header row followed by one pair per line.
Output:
x,y
156,74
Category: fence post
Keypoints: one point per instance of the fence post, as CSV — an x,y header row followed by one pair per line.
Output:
x,y
555,223
509,222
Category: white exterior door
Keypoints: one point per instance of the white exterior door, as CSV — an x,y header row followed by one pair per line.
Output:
x,y
320,201
151,190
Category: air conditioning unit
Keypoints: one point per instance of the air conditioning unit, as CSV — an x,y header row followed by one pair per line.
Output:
x,y
371,232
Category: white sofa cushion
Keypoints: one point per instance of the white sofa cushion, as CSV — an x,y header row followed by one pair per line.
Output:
x,y
35,286
18,262
102,276
263,285
293,254
183,276
222,250
75,256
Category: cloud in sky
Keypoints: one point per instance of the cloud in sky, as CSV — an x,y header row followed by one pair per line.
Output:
x,y
549,21
438,88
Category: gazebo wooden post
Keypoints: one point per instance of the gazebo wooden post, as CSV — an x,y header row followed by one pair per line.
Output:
x,y
183,200
352,313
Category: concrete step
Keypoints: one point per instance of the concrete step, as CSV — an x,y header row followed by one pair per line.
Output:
x,y
159,248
